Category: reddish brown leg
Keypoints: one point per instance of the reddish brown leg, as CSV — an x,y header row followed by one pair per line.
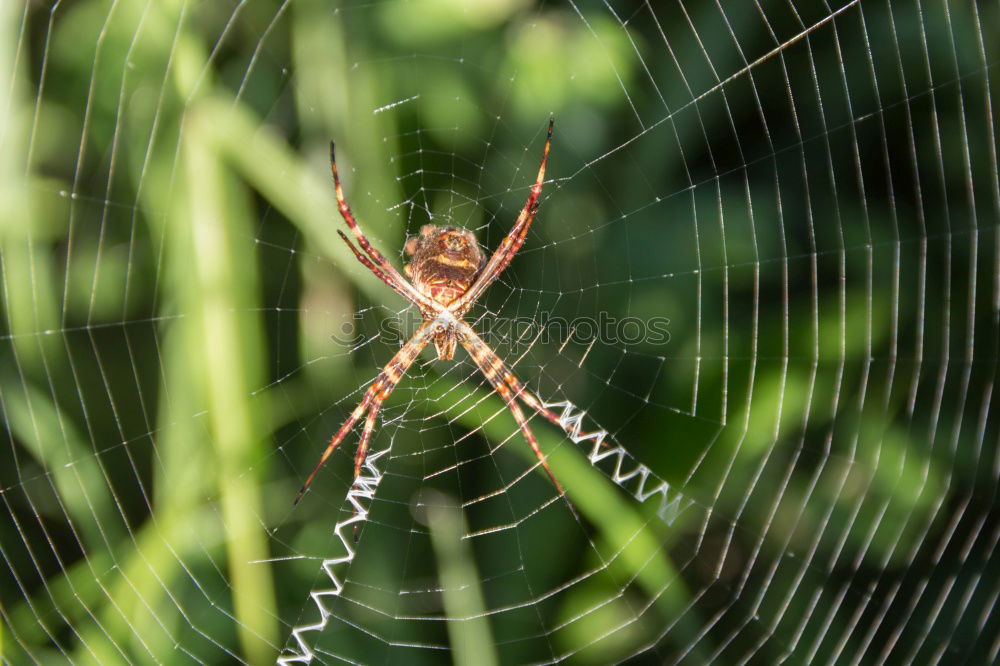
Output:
x,y
522,422
374,396
337,438
386,271
399,289
512,242
519,389
493,369
529,398
366,433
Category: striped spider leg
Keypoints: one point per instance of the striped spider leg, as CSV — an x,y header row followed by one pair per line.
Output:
x,y
510,389
511,243
372,400
385,271
449,273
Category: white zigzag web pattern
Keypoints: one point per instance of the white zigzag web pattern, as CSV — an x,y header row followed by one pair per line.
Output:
x,y
359,496
672,504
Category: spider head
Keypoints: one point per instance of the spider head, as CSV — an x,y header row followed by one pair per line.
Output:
x,y
445,342
446,261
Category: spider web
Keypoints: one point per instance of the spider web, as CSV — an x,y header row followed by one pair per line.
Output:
x,y
803,468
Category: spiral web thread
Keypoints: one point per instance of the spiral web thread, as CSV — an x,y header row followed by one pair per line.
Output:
x,y
633,477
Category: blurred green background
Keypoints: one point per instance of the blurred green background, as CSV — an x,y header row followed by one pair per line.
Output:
x,y
807,192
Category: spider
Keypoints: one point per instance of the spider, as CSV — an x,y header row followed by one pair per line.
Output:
x,y
449,273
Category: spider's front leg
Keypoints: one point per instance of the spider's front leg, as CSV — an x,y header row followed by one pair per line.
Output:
x,y
391,374
372,400
500,377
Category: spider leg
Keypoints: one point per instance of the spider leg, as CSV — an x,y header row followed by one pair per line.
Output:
x,y
529,398
337,438
520,390
388,274
399,289
380,389
392,373
496,373
512,242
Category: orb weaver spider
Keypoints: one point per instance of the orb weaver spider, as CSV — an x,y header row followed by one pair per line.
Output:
x,y
449,274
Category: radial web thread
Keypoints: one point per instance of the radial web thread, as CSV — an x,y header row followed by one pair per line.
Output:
x,y
636,479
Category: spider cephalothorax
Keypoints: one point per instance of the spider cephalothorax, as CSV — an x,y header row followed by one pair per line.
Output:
x,y
446,261
449,273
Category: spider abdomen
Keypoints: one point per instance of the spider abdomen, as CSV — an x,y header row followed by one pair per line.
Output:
x,y
446,261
